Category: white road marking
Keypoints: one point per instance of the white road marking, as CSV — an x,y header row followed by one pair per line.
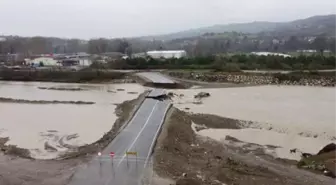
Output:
x,y
155,137
142,129
135,140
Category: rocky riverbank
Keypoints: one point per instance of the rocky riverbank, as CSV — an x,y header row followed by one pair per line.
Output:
x,y
304,79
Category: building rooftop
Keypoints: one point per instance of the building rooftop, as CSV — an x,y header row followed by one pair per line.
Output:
x,y
270,53
166,51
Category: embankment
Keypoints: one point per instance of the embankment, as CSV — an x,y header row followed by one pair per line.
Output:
x,y
61,89
11,100
166,85
125,112
326,79
149,83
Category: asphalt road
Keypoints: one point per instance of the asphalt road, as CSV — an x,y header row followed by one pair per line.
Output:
x,y
138,136
156,77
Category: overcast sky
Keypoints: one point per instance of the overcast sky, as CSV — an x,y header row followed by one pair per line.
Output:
x,y
126,18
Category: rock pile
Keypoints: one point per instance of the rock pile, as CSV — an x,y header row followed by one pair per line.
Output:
x,y
257,79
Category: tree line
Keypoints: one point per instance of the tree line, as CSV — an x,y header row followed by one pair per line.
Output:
x,y
227,63
204,45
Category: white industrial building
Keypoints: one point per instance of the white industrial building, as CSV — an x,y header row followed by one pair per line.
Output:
x,y
167,54
45,61
79,59
270,53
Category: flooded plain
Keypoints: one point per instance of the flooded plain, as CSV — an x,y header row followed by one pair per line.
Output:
x,y
50,129
284,116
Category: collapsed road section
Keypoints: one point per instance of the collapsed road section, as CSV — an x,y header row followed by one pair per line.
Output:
x,y
123,161
155,79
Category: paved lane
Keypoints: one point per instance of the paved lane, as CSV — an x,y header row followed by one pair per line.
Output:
x,y
139,136
156,77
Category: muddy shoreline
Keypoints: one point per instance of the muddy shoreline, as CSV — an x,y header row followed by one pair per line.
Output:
x,y
12,100
61,89
187,158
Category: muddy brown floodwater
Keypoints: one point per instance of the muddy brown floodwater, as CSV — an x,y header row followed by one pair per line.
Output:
x,y
291,110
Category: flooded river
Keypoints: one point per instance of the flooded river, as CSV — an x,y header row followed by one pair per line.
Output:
x,y
47,126
282,105
284,116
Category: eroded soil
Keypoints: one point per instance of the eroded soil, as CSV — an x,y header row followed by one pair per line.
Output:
x,y
190,159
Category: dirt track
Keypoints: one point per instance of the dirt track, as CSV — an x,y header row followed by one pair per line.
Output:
x,y
207,162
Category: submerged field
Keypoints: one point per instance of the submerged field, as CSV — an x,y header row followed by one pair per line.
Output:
x,y
47,129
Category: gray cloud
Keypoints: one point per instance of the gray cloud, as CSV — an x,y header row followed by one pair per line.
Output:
x,y
115,18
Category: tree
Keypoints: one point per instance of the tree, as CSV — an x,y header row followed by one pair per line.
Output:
x,y
1,47
231,67
331,45
292,44
98,46
320,44
129,51
39,45
73,46
218,64
123,45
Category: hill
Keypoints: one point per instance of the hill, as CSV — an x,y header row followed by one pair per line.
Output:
x,y
312,26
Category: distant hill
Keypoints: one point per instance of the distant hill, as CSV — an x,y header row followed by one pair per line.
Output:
x,y
311,26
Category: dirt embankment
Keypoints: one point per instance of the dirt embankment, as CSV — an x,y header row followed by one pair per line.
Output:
x,y
176,85
124,111
149,83
19,171
13,150
11,100
61,89
194,160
